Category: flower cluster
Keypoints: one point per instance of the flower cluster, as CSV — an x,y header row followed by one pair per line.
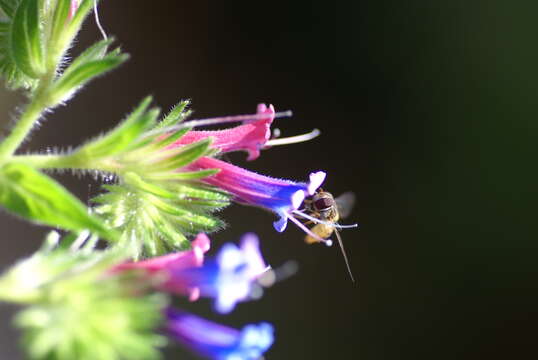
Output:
x,y
166,181
228,278
231,276
283,197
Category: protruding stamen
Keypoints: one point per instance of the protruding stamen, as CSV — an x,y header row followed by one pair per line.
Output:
x,y
327,242
294,139
217,121
231,119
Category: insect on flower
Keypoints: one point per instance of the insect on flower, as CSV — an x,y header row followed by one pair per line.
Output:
x,y
324,210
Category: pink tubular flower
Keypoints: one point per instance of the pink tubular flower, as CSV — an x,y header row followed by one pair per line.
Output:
x,y
249,137
173,262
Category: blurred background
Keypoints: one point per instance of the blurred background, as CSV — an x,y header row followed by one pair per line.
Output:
x,y
428,112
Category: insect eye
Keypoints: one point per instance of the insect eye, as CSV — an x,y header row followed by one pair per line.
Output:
x,y
323,204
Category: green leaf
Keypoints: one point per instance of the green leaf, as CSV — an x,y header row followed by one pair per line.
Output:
x,y
35,196
4,28
26,46
8,7
124,135
74,78
95,52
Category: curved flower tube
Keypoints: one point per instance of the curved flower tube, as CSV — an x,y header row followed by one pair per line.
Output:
x,y
215,341
173,262
279,196
249,137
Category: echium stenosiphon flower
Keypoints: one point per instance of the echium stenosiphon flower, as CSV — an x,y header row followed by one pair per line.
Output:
x,y
283,197
85,306
216,341
169,181
228,278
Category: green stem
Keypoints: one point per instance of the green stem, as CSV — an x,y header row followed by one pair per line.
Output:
x,y
31,114
69,161
50,161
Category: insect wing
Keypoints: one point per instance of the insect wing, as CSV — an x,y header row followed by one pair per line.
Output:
x,y
344,203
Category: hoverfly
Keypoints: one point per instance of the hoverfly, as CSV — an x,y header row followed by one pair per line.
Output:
x,y
324,210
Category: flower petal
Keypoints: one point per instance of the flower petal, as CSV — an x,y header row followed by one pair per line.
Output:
x,y
216,341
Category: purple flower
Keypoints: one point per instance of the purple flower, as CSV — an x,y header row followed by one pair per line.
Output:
x,y
228,278
282,197
215,341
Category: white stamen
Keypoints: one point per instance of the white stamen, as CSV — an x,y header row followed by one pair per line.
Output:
x,y
218,120
319,221
307,230
233,118
97,22
293,139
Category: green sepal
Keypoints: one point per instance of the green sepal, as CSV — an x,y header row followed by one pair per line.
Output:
x,y
158,216
186,175
65,32
59,21
176,115
95,52
75,77
169,140
25,39
37,197
176,158
124,136
84,311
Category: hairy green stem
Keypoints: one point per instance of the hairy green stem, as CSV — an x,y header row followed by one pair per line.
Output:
x,y
31,114
69,161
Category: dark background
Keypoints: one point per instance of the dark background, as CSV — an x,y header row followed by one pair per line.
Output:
x,y
429,114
